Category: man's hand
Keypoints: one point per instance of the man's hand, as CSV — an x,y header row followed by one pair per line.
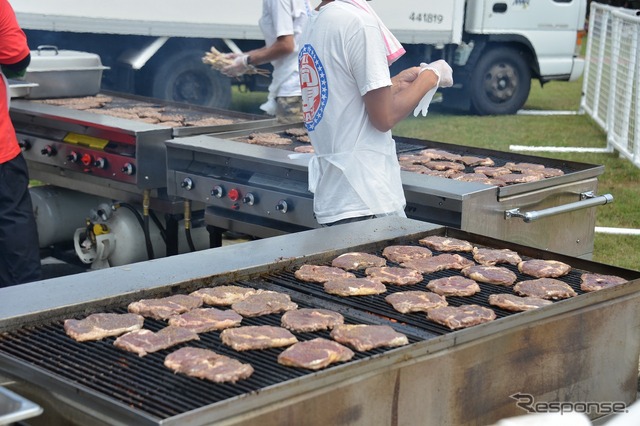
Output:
x,y
442,70
239,65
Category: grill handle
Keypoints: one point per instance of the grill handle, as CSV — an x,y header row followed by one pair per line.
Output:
x,y
587,199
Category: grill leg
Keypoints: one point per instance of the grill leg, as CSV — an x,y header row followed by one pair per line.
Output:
x,y
172,222
215,236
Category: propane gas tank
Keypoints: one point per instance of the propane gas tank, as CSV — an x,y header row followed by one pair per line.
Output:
x,y
59,211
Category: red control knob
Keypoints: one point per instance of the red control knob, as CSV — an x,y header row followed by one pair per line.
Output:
x,y
86,159
234,194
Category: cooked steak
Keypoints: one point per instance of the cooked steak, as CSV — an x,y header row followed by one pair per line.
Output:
x,y
99,326
415,301
491,171
202,320
480,178
441,262
414,168
444,165
307,320
145,341
523,167
165,307
362,337
223,295
305,149
321,274
461,316
439,154
314,354
355,261
394,275
252,337
454,286
544,268
551,172
354,287
399,254
511,178
544,288
296,131
439,243
206,364
267,139
264,303
491,257
593,282
511,302
497,275
471,160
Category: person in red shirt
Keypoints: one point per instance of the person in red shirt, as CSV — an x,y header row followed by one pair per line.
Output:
x,y
19,245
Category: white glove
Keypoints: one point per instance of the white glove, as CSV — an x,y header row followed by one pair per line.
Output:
x,y
445,79
239,65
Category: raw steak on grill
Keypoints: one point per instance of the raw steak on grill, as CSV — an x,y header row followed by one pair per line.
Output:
x,y
99,326
439,243
461,316
441,262
497,275
321,274
355,261
400,254
145,341
415,301
307,320
511,302
252,337
492,257
454,286
202,320
206,364
362,337
394,275
223,295
544,288
165,307
354,287
544,268
314,354
593,282
264,303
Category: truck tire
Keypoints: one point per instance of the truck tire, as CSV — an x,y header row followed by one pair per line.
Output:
x,y
182,77
500,82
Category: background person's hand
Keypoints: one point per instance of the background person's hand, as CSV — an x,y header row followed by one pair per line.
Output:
x,y
443,70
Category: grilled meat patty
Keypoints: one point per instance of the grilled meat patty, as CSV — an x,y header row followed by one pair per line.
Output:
x,y
490,274
165,307
544,288
355,261
354,287
436,242
441,262
492,257
544,268
202,320
594,282
320,273
208,365
101,325
252,337
144,342
307,320
362,337
415,301
314,354
394,275
223,295
511,302
400,253
455,285
455,317
264,303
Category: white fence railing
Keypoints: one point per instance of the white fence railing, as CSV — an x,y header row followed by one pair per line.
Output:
x,y
611,92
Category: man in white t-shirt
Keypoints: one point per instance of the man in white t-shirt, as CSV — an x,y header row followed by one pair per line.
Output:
x,y
281,23
350,103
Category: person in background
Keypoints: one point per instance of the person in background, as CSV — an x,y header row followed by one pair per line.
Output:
x,y
350,104
281,23
19,246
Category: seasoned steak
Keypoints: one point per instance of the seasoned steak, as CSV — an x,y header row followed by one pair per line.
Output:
x,y
491,171
264,303
223,295
511,302
544,268
268,139
99,326
511,178
362,337
523,167
436,242
544,288
415,301
438,263
454,286
253,337
208,365
394,275
400,254
165,307
492,257
442,165
321,274
439,154
461,316
490,274
354,287
471,160
307,320
355,261
594,282
314,354
145,341
202,320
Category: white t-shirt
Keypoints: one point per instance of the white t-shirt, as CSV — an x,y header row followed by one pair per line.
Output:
x,y
355,171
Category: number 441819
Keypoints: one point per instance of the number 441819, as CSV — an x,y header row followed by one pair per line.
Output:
x,y
428,18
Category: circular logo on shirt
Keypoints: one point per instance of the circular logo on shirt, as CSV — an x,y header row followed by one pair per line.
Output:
x,y
313,82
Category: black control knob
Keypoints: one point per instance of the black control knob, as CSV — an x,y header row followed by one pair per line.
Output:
x,y
129,169
25,144
73,157
282,206
249,199
187,183
48,150
100,163
217,191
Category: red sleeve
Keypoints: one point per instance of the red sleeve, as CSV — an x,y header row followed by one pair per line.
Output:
x,y
13,42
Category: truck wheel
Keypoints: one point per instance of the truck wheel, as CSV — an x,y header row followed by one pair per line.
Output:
x,y
500,82
184,78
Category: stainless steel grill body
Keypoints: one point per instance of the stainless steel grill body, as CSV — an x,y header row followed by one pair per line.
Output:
x,y
580,349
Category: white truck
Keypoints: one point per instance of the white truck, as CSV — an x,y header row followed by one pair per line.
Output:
x,y
154,47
